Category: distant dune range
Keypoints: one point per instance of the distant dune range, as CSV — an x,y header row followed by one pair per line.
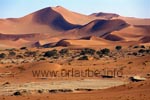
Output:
x,y
57,26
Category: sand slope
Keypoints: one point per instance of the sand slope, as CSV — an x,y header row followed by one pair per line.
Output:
x,y
133,33
43,21
52,24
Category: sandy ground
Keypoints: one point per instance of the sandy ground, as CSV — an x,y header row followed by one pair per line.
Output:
x,y
18,76
93,84
41,31
133,91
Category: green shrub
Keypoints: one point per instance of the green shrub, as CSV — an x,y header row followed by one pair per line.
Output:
x,y
141,51
87,51
118,48
19,56
12,53
105,51
30,54
42,59
64,51
83,58
142,46
50,53
99,53
23,48
135,54
147,51
136,46
2,55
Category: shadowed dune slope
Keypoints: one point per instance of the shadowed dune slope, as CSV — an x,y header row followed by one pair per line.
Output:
x,y
95,28
104,15
99,25
52,24
133,33
43,21
88,41
73,17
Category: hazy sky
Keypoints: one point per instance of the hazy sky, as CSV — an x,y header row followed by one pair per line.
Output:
x,y
134,8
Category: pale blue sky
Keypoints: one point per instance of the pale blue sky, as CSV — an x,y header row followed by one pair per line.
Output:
x,y
134,8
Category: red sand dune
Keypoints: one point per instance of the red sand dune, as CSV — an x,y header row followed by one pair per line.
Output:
x,y
43,21
73,17
50,25
132,33
104,15
135,21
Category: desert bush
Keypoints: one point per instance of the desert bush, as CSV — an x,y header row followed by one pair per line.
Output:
x,y
17,93
105,51
83,58
19,56
134,53
147,51
42,59
50,53
136,46
99,53
118,48
102,52
40,91
2,55
53,91
30,53
80,89
12,53
142,46
141,51
23,48
87,51
64,51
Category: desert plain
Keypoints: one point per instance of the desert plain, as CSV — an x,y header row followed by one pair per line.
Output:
x,y
58,54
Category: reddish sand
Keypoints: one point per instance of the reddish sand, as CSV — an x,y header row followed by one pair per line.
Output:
x,y
57,28
134,91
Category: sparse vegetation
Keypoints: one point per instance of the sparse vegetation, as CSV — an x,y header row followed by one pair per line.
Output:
x,y
142,46
118,48
136,46
87,51
50,53
135,54
105,51
141,51
30,54
71,54
83,58
12,53
19,56
99,53
23,48
147,51
64,51
2,55
40,91
42,59
60,90
17,93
